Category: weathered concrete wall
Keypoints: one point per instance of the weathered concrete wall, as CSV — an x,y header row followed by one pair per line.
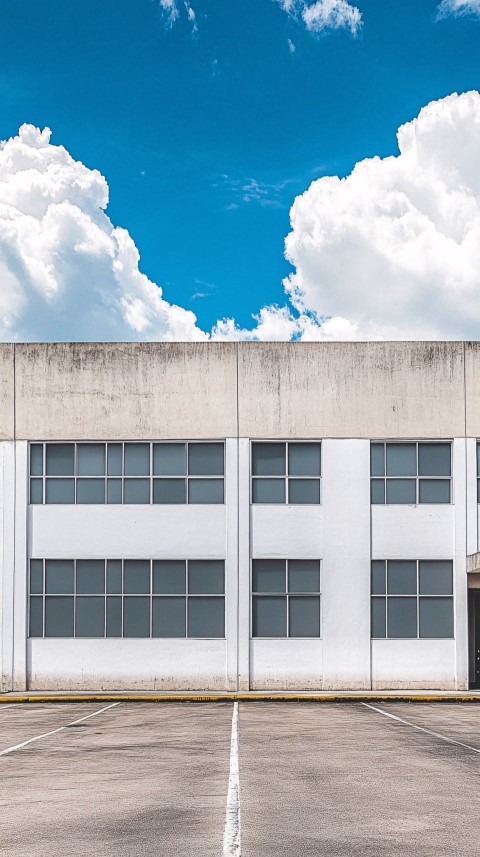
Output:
x,y
7,388
472,387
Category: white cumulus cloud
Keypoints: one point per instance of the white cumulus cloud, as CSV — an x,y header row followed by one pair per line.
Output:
x,y
458,8
323,15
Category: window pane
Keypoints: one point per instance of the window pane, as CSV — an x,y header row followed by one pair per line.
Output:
x,y
206,617
434,490
114,576
36,576
114,491
378,577
36,491
168,617
377,459
402,617
268,491
304,459
169,491
90,459
90,577
478,459
136,617
269,575
378,617
434,459
60,490
377,491
304,491
205,490
436,617
169,459
90,490
36,459
269,616
304,575
205,459
58,617
268,459
206,577
59,576
401,491
60,459
36,617
136,576
169,576
304,616
401,577
436,577
114,459
89,617
401,459
136,491
137,459
114,617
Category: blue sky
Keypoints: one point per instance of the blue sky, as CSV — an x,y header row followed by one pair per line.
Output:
x,y
207,135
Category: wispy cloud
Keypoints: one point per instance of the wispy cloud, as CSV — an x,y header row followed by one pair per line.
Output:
x,y
458,8
253,191
324,15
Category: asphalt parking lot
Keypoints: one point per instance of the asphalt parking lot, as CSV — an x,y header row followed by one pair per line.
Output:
x,y
314,779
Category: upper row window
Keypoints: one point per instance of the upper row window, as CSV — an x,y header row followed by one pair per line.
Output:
x,y
127,473
286,472
410,473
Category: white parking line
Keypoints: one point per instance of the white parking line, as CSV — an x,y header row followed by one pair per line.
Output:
x,y
54,731
421,728
231,836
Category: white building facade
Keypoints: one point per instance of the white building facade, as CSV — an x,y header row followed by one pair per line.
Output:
x,y
235,516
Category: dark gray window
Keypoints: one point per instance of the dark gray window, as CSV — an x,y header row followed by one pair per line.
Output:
x,y
286,472
412,598
285,598
410,473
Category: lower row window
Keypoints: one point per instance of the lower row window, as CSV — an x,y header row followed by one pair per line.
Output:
x,y
286,598
127,598
412,598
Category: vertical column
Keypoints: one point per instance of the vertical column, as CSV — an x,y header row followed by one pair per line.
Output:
x,y
472,503
7,560
461,447
231,499
346,564
20,571
243,564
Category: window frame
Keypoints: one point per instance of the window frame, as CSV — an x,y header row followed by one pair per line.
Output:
x,y
417,478
286,595
286,478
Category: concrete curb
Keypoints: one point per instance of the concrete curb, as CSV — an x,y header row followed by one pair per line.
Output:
x,y
27,698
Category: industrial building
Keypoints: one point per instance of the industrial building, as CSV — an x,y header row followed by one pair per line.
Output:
x,y
235,516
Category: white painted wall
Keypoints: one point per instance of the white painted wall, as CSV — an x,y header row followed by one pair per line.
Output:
x,y
293,532
286,664
404,664
7,561
413,532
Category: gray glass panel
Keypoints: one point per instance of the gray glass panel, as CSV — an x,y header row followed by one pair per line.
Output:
x,y
137,459
401,577
205,491
36,491
206,577
90,490
377,491
60,491
304,491
303,575
90,577
434,490
269,575
60,459
206,617
377,459
378,577
136,491
268,491
304,459
114,576
401,491
169,459
36,617
59,576
169,491
89,617
401,459
269,616
205,459
114,459
402,617
114,491
90,459
114,617
136,576
169,577
268,459
436,618
436,577
136,617
58,617
434,459
304,616
36,576
36,459
379,624
168,617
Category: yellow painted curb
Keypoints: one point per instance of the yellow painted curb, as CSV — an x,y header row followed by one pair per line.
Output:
x,y
231,697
